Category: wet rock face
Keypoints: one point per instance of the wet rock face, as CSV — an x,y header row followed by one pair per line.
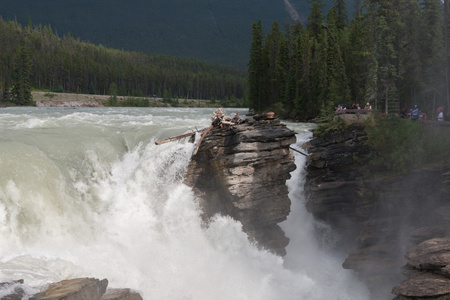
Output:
x,y
376,221
241,171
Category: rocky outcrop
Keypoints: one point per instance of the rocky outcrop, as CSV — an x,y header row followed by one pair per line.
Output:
x,y
428,271
241,171
376,220
73,289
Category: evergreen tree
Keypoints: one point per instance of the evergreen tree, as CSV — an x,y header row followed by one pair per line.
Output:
x,y
387,31
358,53
315,18
274,49
410,81
432,53
6,92
256,69
337,84
340,7
113,89
21,88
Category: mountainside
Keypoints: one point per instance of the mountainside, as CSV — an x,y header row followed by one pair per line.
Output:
x,y
213,30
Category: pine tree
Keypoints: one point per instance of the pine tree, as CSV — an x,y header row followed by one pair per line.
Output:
x,y
337,84
340,7
256,69
21,88
410,81
6,92
358,53
432,52
315,18
273,48
387,31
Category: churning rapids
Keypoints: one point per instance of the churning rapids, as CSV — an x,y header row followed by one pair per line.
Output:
x,y
86,193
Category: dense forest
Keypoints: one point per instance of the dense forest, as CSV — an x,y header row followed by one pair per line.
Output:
x,y
216,31
35,57
390,54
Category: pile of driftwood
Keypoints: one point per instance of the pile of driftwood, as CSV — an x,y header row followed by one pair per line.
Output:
x,y
220,120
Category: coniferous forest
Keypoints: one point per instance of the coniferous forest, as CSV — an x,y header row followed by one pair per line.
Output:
x,y
34,57
390,54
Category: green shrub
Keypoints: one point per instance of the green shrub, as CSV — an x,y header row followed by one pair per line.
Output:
x,y
401,145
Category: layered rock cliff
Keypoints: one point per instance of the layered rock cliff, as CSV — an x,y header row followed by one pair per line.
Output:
x,y
241,171
378,220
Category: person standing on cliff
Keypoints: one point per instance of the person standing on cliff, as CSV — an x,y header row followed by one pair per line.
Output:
x,y
415,113
440,116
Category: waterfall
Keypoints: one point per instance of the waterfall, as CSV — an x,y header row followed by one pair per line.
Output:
x,y
87,193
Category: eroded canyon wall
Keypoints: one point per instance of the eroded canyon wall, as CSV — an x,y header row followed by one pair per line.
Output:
x,y
377,220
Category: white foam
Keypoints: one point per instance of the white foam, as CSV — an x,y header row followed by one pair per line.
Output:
x,y
98,209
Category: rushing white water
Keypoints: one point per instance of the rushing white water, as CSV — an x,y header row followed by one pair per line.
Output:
x,y
87,193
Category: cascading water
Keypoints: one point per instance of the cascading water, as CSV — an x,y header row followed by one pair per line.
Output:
x,y
87,193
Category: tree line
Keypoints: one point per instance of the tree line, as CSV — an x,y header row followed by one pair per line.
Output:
x,y
390,54
34,57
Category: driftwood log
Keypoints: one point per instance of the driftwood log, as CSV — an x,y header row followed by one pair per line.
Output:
x,y
178,137
202,137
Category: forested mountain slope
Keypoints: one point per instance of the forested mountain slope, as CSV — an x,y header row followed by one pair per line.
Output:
x,y
34,57
213,30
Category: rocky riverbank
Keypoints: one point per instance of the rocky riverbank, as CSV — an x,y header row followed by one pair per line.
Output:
x,y
43,99
241,171
47,99
394,229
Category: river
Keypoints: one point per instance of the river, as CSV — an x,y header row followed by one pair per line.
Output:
x,y
85,192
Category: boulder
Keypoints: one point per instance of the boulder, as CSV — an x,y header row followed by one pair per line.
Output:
x,y
431,255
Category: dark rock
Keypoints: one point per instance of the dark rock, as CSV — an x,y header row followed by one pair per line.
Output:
x,y
241,171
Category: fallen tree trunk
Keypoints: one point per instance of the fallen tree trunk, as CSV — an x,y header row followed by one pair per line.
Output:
x,y
178,137
202,137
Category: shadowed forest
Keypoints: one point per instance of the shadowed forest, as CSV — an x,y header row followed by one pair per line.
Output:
x,y
390,54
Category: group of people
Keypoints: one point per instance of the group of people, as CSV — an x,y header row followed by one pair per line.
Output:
x,y
417,114
412,113
354,106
